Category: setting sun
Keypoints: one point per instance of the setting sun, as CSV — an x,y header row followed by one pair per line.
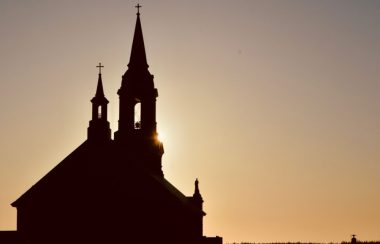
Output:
x,y
161,136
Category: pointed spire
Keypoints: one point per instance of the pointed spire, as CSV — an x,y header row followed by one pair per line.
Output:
x,y
138,56
99,88
99,97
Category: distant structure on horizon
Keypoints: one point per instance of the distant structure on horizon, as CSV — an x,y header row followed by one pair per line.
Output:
x,y
113,190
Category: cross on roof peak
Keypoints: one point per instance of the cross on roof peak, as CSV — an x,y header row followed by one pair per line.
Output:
x,y
100,66
138,6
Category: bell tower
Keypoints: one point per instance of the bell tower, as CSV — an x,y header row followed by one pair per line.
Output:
x,y
137,127
99,129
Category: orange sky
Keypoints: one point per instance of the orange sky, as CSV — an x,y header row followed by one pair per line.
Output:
x,y
273,105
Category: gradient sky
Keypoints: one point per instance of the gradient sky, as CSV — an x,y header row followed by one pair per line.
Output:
x,y
273,105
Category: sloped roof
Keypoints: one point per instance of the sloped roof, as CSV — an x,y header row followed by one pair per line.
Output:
x,y
90,166
58,172
176,193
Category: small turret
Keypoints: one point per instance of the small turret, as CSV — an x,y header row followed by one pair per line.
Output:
x,y
197,202
99,129
197,197
353,239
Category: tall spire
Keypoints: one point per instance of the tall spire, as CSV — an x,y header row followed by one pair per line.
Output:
x,y
137,129
138,56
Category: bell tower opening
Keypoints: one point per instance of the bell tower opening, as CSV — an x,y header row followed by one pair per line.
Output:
x,y
137,115
99,112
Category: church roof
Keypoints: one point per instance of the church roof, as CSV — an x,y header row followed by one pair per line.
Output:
x,y
58,175
91,167
175,192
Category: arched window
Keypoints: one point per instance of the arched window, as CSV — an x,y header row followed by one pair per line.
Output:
x,y
137,121
99,112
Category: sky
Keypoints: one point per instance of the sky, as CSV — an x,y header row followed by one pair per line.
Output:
x,y
273,105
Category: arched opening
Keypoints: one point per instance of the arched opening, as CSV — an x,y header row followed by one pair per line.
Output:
x,y
137,118
99,112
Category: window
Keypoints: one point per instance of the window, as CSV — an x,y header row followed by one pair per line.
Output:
x,y
99,112
137,121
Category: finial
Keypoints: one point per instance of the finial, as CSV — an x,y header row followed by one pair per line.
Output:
x,y
353,239
100,66
138,6
197,194
196,185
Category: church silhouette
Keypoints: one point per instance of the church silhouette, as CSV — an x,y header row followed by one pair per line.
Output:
x,y
113,190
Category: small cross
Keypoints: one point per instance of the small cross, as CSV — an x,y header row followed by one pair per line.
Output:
x,y
138,6
100,66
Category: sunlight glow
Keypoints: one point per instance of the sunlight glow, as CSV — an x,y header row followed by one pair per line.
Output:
x,y
161,136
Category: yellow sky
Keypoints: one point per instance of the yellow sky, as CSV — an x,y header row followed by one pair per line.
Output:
x,y
273,105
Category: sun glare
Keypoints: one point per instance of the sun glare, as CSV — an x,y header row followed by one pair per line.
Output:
x,y
160,136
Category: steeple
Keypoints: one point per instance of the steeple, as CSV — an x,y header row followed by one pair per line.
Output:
x,y
99,89
138,56
99,129
137,130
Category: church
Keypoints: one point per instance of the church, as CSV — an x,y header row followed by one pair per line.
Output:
x,y
113,190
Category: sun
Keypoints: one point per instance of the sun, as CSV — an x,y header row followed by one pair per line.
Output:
x,y
161,136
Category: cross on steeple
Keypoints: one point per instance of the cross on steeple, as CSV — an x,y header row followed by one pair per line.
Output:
x,y
138,6
100,66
